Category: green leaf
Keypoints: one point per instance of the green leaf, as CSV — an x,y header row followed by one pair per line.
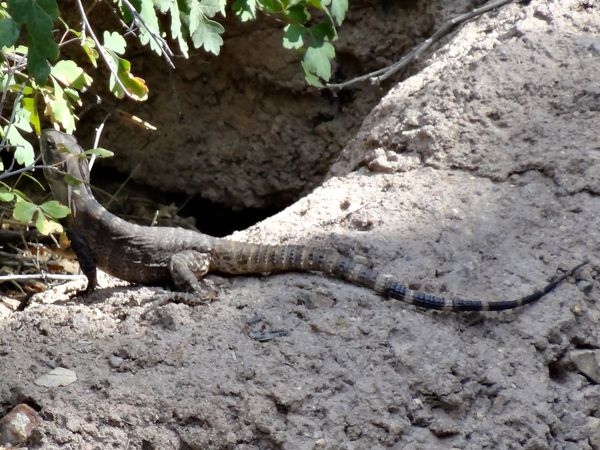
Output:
x,y
164,5
30,11
148,15
176,30
46,226
55,209
28,90
311,78
207,35
203,31
338,10
211,7
22,119
21,50
297,14
19,194
125,12
9,32
70,74
30,105
99,152
324,31
115,42
292,36
136,87
37,65
24,211
59,108
73,96
245,10
38,16
89,47
316,62
6,196
271,6
24,154
72,181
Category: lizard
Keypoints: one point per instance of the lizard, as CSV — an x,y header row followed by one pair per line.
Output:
x,y
156,255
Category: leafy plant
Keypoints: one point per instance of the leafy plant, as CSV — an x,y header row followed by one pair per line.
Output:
x,y
37,80
44,216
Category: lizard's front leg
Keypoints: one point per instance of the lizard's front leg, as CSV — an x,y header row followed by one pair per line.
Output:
x,y
187,267
85,257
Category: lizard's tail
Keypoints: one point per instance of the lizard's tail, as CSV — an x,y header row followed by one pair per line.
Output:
x,y
241,258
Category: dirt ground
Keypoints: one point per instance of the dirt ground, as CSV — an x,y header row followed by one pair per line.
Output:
x,y
478,177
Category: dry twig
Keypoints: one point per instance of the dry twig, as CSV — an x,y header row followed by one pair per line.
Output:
x,y
384,73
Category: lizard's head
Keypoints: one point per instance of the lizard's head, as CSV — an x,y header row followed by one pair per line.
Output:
x,y
62,155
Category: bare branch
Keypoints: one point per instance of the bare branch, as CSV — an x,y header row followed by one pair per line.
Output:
x,y
8,173
97,139
40,276
384,73
166,51
101,49
10,236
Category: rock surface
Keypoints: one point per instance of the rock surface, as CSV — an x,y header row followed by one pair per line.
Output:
x,y
16,427
479,178
243,130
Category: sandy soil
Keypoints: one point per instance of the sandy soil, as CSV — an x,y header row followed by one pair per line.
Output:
x,y
479,177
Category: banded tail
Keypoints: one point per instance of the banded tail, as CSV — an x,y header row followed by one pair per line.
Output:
x,y
233,257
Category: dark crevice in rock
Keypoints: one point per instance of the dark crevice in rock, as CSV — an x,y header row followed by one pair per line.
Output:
x,y
139,203
220,220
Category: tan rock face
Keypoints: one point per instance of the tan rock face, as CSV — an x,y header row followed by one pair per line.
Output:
x,y
243,129
507,104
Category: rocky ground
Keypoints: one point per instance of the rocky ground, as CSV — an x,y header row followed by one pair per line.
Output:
x,y
478,177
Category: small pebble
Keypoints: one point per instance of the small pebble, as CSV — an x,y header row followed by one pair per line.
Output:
x,y
320,443
584,286
115,361
587,362
17,425
57,377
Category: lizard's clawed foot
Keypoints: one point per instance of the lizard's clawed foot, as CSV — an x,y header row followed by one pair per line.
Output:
x,y
190,298
208,294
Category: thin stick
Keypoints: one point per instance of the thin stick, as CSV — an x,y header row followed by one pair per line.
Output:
x,y
166,51
41,276
32,167
97,139
9,236
384,73
101,49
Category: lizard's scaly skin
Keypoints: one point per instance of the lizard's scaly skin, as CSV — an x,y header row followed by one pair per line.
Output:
x,y
155,255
